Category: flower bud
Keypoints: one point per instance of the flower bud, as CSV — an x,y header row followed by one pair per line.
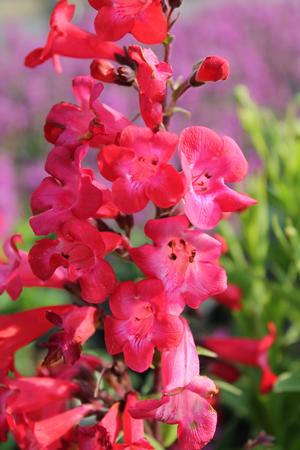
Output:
x,y
175,3
103,70
211,68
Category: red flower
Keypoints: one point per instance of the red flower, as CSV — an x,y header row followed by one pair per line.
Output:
x,y
231,297
139,323
208,161
139,170
92,121
70,191
251,352
152,77
78,325
212,68
184,260
143,18
15,273
80,248
16,330
66,39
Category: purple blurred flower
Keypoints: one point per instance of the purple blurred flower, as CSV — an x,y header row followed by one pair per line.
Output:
x,y
8,199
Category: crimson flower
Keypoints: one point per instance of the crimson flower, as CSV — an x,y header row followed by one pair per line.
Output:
x,y
80,248
92,121
152,76
212,68
231,297
139,171
66,39
185,260
16,273
143,18
139,323
69,192
208,161
78,325
16,332
251,352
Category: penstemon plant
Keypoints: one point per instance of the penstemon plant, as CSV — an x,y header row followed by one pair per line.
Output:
x,y
75,399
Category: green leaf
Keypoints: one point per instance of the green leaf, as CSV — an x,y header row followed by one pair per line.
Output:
x,y
288,382
205,352
156,445
169,434
230,388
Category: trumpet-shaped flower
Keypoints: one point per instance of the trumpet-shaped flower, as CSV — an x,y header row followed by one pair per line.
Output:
x,y
143,18
66,39
139,170
90,121
139,323
185,260
208,161
80,248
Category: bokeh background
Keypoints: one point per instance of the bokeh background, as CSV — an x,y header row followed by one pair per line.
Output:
x,y
259,107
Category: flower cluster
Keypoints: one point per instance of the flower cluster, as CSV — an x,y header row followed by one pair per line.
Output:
x,y
180,263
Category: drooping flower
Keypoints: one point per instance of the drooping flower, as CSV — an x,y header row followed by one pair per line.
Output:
x,y
139,170
185,260
208,161
80,248
78,325
15,272
211,68
186,396
66,39
251,352
143,18
91,121
69,192
151,76
139,323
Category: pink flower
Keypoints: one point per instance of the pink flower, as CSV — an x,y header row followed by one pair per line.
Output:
x,y
15,273
66,39
152,76
143,18
208,161
139,323
78,325
139,170
91,121
185,398
251,352
69,192
80,248
184,260
212,68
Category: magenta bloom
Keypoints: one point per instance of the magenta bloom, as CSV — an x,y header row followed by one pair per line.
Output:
x,y
139,170
185,398
152,76
66,39
92,121
185,260
139,323
80,248
208,161
143,18
70,191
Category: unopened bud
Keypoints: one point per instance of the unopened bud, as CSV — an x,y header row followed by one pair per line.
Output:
x,y
103,70
211,68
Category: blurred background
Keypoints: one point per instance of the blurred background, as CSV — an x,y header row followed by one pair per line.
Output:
x,y
259,107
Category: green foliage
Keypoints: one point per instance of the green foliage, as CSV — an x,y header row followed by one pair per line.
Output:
x,y
264,259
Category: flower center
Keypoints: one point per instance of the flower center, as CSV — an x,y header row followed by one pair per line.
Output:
x,y
181,251
145,167
142,320
201,182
